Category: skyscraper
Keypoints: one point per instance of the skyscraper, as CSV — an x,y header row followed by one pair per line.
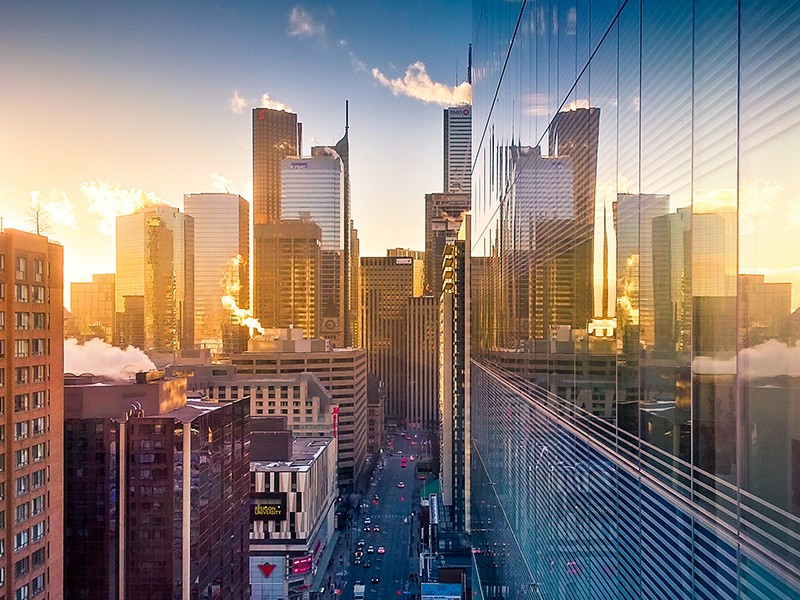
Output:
x,y
387,283
458,150
92,304
32,414
288,286
222,259
442,222
657,456
313,187
155,279
422,375
276,135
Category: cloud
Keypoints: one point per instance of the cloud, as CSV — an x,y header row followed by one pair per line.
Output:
x,y
267,102
537,105
416,83
770,359
302,24
110,200
576,104
60,210
99,358
237,103
223,184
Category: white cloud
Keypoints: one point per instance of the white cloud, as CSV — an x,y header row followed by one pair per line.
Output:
x,y
416,83
302,24
770,359
538,105
58,207
237,103
99,358
110,200
576,104
267,102
223,184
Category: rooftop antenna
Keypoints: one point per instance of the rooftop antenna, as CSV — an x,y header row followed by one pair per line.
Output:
x,y
346,116
469,66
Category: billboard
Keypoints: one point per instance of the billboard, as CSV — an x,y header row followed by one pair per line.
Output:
x,y
268,506
301,564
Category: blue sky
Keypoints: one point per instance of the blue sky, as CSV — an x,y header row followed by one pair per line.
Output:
x,y
138,95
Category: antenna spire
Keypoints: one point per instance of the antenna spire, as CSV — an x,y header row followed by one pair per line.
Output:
x,y
346,116
469,66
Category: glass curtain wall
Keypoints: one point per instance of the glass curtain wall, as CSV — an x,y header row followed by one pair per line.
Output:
x,y
636,286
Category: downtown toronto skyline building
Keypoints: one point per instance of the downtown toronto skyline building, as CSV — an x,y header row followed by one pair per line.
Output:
x,y
642,443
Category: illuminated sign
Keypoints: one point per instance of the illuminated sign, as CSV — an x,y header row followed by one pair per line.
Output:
x,y
299,165
404,261
266,569
302,564
268,506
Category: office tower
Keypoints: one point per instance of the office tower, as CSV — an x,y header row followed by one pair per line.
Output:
x,y
313,187
422,374
343,372
221,268
288,283
386,285
276,135
153,480
154,295
442,221
454,380
458,150
354,289
92,304
292,509
661,459
376,407
32,409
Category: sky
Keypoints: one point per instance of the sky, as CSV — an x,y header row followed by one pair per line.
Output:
x,y
106,102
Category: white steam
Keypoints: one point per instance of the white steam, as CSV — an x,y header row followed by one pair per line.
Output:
x,y
58,207
770,359
102,359
416,83
267,102
237,103
222,184
110,200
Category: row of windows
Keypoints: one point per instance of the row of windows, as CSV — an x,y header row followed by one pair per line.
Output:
x,y
23,320
21,269
34,374
24,456
24,511
37,426
23,348
24,293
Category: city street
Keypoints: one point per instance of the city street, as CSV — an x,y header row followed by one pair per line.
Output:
x,y
398,535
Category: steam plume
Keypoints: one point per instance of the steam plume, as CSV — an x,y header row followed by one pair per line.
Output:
x,y
416,83
267,102
60,210
110,200
223,184
237,103
99,358
230,292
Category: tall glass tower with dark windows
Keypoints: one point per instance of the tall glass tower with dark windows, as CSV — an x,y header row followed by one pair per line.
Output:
x,y
635,422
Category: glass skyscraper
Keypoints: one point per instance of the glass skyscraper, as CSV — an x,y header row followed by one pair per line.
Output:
x,y
635,366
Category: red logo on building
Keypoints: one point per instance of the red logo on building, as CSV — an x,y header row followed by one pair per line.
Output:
x,y
266,569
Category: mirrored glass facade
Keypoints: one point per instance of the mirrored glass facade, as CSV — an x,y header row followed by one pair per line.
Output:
x,y
635,291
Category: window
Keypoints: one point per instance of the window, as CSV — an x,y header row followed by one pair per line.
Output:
x,y
40,320
39,347
38,478
38,399
22,320
39,425
21,458
21,293
22,485
21,402
38,505
22,375
21,540
38,270
37,584
38,451
22,348
2,348
37,531
38,373
2,319
21,567
37,558
38,294
2,291
21,430
21,513
21,593
22,267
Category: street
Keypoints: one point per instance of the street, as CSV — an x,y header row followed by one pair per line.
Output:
x,y
398,535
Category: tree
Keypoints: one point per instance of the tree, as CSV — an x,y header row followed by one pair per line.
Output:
x,y
38,219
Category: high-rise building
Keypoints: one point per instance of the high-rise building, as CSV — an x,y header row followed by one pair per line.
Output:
x,y
154,295
276,135
454,378
442,222
376,405
288,283
32,413
152,481
313,187
354,284
387,283
422,374
221,268
92,304
458,150
657,455
343,372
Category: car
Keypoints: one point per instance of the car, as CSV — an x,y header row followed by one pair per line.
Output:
x,y
411,457
367,565
422,477
367,521
376,528
360,543
375,498
381,550
401,484
357,561
366,527
400,452
375,580
359,554
371,550
403,465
